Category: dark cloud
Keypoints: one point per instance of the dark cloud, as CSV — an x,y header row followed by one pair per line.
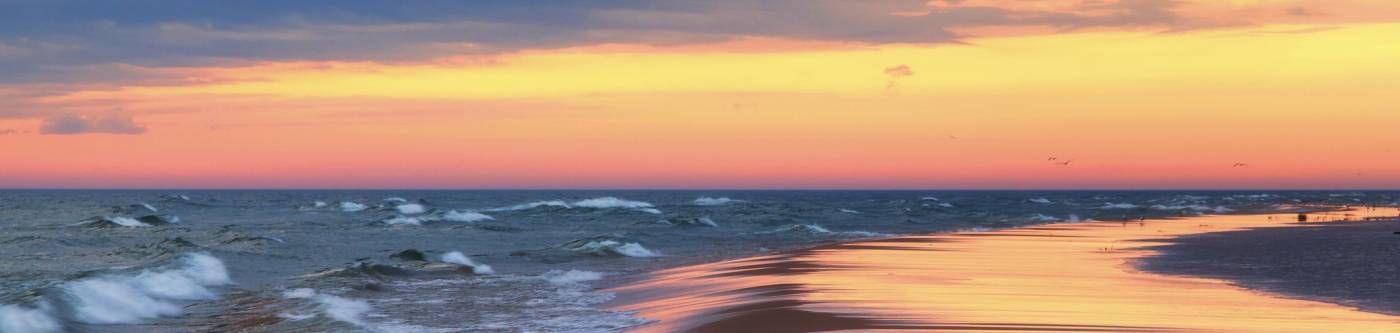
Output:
x,y
109,123
42,41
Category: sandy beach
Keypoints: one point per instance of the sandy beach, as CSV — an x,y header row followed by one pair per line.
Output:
x,y
1073,277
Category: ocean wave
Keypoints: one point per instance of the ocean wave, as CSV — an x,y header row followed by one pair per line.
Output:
x,y
402,221
594,203
1198,208
605,246
462,216
351,206
410,209
849,211
571,277
820,230
1042,201
458,258
1044,218
121,299
708,201
19,319
346,310
1111,205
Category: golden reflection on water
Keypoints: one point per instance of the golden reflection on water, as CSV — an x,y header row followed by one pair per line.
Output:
x,y
1051,278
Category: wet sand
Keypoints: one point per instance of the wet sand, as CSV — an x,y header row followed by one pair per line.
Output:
x,y
1078,277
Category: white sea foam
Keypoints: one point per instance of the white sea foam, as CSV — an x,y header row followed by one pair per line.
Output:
x,y
455,257
461,216
820,230
410,209
1074,218
572,276
612,202
149,207
148,295
395,199
298,293
532,205
608,246
929,198
403,220
1044,218
708,201
17,319
1111,205
1042,201
945,205
346,310
127,222
595,203
351,207
707,221
319,204
850,211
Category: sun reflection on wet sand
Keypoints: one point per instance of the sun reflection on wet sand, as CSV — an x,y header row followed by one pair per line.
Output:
x,y
1075,277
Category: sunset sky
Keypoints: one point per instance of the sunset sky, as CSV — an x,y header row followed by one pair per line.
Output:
x,y
1134,94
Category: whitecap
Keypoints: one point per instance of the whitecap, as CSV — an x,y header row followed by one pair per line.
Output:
x,y
148,295
351,207
395,199
850,211
571,277
17,319
403,220
1042,201
127,222
612,202
1111,205
1043,218
460,216
458,258
708,201
410,209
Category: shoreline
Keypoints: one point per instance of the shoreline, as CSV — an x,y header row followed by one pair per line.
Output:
x,y
1327,262
811,285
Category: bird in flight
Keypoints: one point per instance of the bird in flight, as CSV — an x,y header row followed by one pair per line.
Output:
x,y
1240,165
1065,163
1052,158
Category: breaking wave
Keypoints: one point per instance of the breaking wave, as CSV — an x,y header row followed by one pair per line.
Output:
x,y
351,207
458,258
460,216
120,299
1111,205
410,209
603,246
594,203
708,201
570,277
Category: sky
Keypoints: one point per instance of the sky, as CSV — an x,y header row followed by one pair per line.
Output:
x,y
809,94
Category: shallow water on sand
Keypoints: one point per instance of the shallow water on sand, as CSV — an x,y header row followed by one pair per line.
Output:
x,y
1052,278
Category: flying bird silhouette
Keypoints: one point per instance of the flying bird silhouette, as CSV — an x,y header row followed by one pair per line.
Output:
x,y
1240,165
1065,163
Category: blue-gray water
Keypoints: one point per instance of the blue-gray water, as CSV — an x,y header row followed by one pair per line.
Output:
x,y
324,261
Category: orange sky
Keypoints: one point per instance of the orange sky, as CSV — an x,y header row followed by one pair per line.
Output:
x,y
1307,101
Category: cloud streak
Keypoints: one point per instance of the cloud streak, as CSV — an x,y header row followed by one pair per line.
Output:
x,y
95,35
109,123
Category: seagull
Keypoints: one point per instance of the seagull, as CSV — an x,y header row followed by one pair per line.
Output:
x,y
1240,165
1052,158
1065,163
